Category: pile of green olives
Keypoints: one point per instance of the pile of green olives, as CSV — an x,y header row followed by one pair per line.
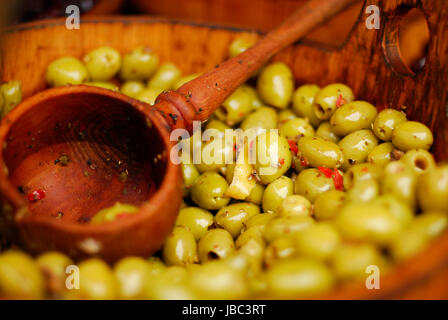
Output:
x,y
353,187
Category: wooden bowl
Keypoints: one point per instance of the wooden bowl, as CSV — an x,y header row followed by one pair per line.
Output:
x,y
369,62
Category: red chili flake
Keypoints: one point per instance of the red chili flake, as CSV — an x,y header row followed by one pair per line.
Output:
x,y
36,195
340,101
365,169
241,114
304,162
338,180
234,147
281,161
326,171
293,146
122,215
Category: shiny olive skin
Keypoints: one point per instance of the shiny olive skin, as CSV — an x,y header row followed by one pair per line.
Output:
x,y
189,174
396,207
155,265
217,125
259,220
273,156
412,135
197,220
254,233
96,281
276,192
328,204
102,63
66,70
329,98
296,128
349,261
303,100
295,205
256,194
363,191
20,277
400,180
53,265
359,221
215,280
280,248
240,45
255,100
356,145
183,80
139,64
263,118
149,95
352,116
180,247
432,189
235,108
324,132
102,84
170,286
285,226
381,155
233,217
311,183
361,171
275,85
386,121
208,191
132,274
298,277
321,153
215,154
285,115
318,241
11,95
432,223
165,77
114,212
408,244
215,244
132,88
419,160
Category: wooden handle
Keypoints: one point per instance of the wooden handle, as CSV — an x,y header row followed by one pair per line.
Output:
x,y
199,98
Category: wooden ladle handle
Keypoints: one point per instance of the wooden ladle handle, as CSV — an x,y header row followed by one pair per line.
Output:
x,y
199,98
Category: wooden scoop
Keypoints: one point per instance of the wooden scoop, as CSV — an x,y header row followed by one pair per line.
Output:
x,y
69,152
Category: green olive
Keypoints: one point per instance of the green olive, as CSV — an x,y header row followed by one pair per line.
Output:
x,y
385,123
320,153
361,171
20,277
273,156
295,205
183,80
208,191
189,174
303,100
53,265
139,64
359,221
132,88
165,77
276,192
259,220
352,116
311,182
217,125
324,132
216,280
319,241
381,155
102,63
180,247
331,97
235,108
432,223
408,244
155,265
363,191
167,287
432,189
285,115
233,217
197,220
349,261
102,84
256,194
96,281
412,135
275,85
400,180
240,45
254,233
132,274
285,226
11,93
66,70
255,100
149,95
356,146
419,160
299,278
398,208
263,118
328,204
296,128
278,249
215,244
215,154
114,212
